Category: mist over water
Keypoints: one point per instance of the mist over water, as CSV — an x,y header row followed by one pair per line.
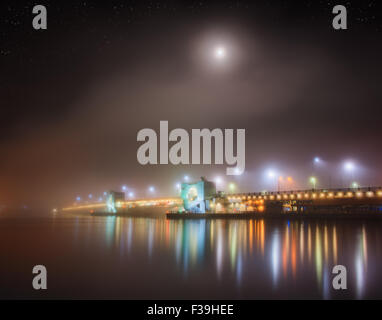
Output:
x,y
155,258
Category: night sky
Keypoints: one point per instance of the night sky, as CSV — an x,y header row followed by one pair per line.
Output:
x,y
74,96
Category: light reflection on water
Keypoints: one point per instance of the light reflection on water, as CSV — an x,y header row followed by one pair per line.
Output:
x,y
158,258
286,250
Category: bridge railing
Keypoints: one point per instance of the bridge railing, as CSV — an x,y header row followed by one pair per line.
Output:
x,y
370,192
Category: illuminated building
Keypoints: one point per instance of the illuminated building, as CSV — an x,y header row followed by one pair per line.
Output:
x,y
113,198
197,197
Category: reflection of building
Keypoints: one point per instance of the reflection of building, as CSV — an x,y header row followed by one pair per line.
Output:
x,y
112,199
198,197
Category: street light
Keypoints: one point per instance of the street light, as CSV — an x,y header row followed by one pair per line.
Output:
x,y
218,181
317,160
313,181
355,185
271,174
349,166
124,188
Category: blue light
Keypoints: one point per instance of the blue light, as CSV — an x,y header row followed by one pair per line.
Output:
x,y
78,198
124,188
90,196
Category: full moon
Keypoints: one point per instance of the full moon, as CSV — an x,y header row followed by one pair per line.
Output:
x,y
220,53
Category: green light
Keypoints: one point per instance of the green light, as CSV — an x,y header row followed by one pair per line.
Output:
x,y
232,186
355,185
313,181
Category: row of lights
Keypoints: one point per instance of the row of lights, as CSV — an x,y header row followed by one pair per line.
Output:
x,y
124,188
349,166
321,195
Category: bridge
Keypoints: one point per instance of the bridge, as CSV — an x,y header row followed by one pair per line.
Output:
x,y
313,200
124,205
335,200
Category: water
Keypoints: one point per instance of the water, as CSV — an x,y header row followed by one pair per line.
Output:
x,y
147,258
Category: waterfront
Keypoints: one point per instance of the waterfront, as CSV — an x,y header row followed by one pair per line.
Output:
x,y
155,258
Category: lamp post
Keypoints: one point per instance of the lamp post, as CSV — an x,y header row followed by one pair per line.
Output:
x,y
350,167
313,181
271,174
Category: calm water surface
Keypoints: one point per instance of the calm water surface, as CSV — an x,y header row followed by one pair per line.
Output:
x,y
147,258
